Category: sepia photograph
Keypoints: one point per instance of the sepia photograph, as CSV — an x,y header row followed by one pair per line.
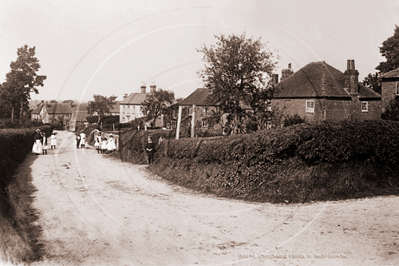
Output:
x,y
199,132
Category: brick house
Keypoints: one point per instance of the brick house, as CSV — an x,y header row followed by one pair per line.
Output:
x,y
389,87
53,113
319,92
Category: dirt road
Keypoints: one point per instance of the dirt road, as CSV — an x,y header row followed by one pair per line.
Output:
x,y
96,210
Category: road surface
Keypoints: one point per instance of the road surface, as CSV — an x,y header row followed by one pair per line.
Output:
x,y
97,210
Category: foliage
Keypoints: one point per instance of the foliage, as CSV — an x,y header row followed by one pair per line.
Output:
x,y
237,69
392,110
390,50
21,81
298,163
101,105
290,120
373,82
156,103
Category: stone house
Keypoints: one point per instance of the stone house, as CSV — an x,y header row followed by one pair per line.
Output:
x,y
319,92
129,107
389,87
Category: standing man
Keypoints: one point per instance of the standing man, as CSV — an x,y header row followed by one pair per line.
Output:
x,y
150,149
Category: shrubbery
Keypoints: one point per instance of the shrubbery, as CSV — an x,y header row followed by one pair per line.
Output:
x,y
298,163
15,144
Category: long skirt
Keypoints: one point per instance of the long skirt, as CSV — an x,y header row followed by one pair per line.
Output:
x,y
37,147
53,142
111,145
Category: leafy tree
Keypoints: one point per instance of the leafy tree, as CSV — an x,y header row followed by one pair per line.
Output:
x,y
101,105
390,50
372,81
156,104
237,68
21,81
392,111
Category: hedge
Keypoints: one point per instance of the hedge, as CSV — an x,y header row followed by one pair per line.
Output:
x,y
15,144
299,163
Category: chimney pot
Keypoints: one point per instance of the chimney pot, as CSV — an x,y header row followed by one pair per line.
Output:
x,y
289,66
153,88
348,64
143,89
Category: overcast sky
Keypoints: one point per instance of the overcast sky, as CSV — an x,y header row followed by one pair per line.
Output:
x,y
113,47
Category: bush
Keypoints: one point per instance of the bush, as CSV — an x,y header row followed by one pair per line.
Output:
x,y
299,163
15,144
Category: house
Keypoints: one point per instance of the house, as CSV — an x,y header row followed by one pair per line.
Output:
x,y
115,109
199,106
129,107
40,113
78,116
389,87
319,92
53,113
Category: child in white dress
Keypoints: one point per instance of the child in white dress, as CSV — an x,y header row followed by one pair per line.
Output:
x,y
53,141
104,146
111,147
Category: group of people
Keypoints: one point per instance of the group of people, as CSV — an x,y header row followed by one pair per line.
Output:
x,y
40,144
102,144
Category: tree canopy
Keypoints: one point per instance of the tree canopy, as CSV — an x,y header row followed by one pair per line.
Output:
x,y
21,81
102,105
156,103
390,50
238,70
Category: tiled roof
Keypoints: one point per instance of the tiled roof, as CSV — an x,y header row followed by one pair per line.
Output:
x,y
38,109
134,98
80,116
318,79
391,74
199,97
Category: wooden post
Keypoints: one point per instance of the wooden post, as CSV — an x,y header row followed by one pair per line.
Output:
x,y
178,122
193,122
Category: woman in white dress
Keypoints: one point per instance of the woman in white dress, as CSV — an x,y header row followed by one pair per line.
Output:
x,y
111,144
53,141
37,146
82,139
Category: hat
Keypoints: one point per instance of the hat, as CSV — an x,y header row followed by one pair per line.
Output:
x,y
81,131
37,130
111,135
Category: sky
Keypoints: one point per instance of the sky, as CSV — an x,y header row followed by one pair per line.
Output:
x,y
112,47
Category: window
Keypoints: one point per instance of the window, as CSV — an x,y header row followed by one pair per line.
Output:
x,y
309,106
124,109
365,106
269,108
268,124
133,109
174,124
128,109
204,123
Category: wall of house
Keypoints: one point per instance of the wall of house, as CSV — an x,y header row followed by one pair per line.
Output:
x,y
298,106
129,112
202,112
388,91
330,109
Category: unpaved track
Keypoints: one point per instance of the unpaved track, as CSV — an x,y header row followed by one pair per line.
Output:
x,y
96,210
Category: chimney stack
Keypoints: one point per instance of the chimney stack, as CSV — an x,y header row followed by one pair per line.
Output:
x,y
125,96
143,88
153,88
285,73
351,78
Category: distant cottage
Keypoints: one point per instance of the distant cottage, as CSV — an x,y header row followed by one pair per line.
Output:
x,y
319,92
